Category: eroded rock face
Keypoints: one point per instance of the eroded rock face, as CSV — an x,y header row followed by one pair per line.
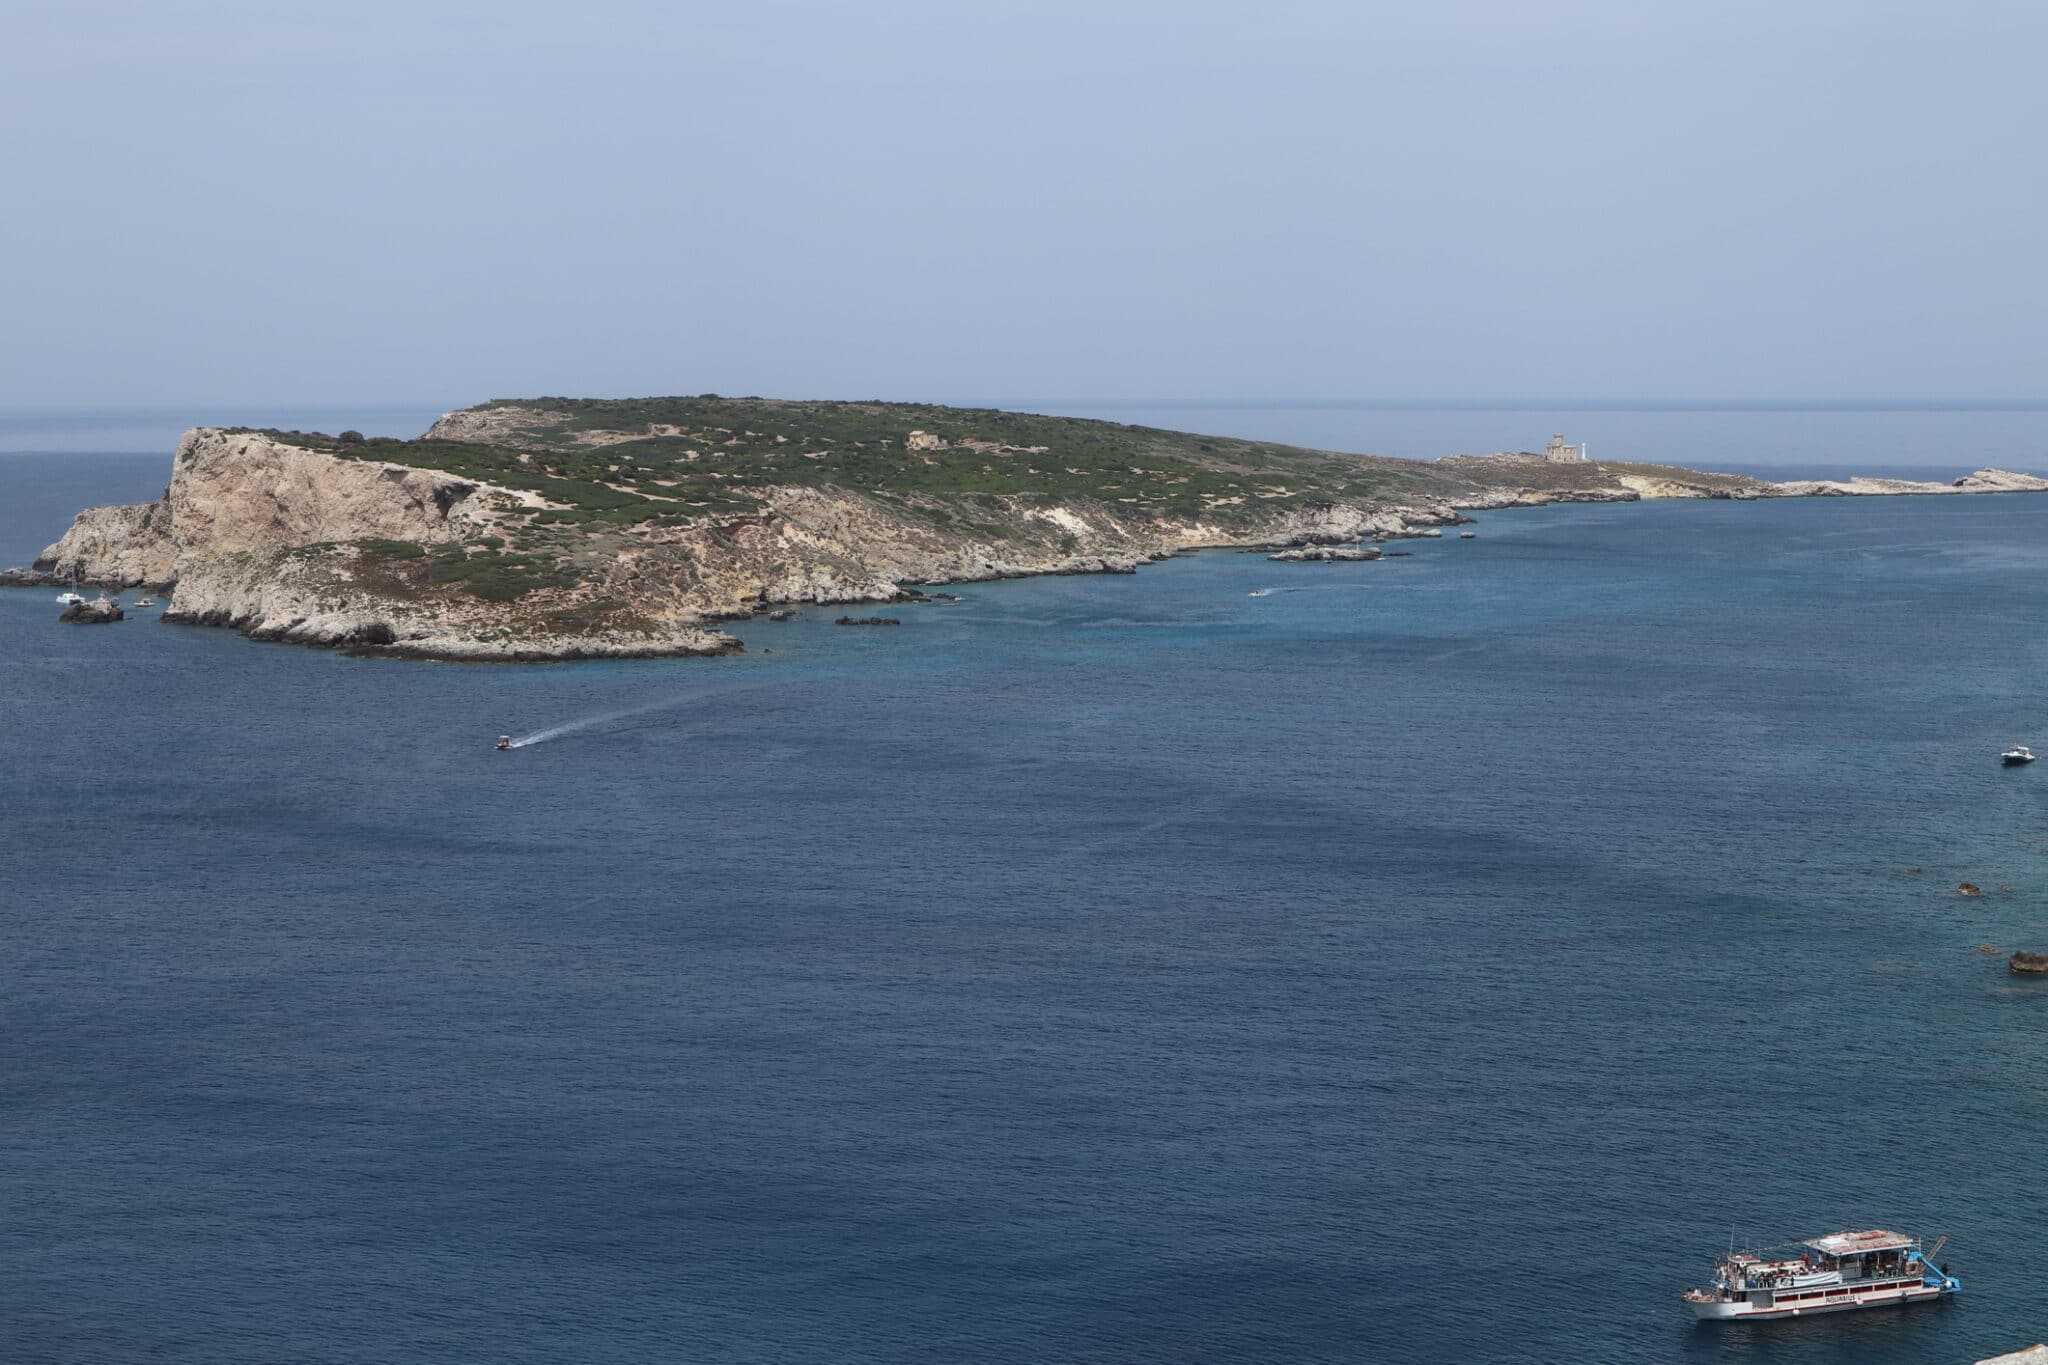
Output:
x,y
243,492
491,424
233,532
119,547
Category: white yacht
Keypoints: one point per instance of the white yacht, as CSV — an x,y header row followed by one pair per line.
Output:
x,y
2018,754
1843,1270
70,599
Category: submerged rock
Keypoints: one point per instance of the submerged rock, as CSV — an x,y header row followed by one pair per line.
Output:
x,y
1969,889
867,621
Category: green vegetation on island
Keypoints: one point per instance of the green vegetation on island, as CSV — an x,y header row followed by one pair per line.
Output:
x,y
588,481
674,460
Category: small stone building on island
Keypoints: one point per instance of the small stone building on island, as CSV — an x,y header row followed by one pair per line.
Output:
x,y
1559,451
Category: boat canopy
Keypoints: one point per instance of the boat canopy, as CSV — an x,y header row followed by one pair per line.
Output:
x,y
1856,1243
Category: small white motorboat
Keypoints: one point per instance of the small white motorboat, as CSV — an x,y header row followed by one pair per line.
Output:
x,y
2018,754
1258,592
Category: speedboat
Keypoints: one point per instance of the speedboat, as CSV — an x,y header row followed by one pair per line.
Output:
x,y
1258,592
504,741
2018,754
145,602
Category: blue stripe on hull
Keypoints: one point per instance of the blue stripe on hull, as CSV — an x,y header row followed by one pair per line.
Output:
x,y
1807,1310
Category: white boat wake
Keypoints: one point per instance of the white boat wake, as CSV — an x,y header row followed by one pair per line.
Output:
x,y
583,723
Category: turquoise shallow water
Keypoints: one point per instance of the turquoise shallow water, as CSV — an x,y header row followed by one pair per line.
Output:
x,y
1434,959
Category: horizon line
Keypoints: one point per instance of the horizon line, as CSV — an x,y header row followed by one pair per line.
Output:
x,y
1380,404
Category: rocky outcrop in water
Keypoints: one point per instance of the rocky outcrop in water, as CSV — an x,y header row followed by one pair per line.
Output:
x,y
2032,1355
1327,554
91,613
2000,481
2028,963
1982,481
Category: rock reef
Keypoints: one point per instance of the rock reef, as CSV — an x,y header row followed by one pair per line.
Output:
x,y
1982,481
1327,554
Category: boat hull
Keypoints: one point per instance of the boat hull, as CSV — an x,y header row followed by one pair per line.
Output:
x,y
1809,1303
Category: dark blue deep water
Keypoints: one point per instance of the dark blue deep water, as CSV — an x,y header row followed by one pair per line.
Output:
x,y
1434,960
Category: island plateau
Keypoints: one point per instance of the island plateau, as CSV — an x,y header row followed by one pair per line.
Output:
x,y
558,528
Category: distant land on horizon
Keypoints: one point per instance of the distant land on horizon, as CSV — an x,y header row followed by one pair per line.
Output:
x,y
1792,437
1515,403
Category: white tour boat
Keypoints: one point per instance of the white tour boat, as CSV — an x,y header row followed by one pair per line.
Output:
x,y
2018,754
1843,1270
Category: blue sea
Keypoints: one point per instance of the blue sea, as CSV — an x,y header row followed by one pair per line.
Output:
x,y
1437,959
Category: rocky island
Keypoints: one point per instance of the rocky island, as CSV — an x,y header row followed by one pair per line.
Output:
x,y
560,528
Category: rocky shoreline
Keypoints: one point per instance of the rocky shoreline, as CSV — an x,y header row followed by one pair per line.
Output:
x,y
284,541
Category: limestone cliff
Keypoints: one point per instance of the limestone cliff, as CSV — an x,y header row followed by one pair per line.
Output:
x,y
285,543
121,547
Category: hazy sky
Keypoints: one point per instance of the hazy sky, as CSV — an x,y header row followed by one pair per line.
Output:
x,y
295,200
